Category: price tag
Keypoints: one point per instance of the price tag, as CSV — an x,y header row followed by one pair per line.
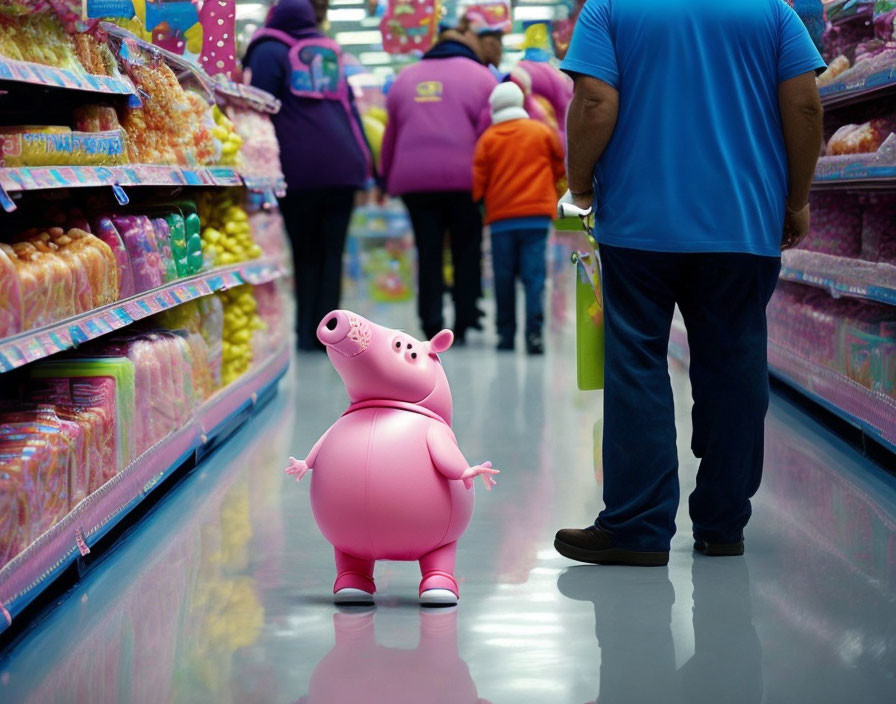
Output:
x,y
32,349
78,334
55,340
95,327
120,195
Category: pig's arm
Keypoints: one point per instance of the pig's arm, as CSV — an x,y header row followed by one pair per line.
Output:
x,y
298,468
450,462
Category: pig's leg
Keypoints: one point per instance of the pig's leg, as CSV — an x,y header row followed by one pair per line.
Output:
x,y
354,579
438,586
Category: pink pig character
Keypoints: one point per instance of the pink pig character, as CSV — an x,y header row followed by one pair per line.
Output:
x,y
390,482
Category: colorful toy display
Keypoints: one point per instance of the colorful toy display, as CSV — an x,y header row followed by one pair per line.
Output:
x,y
389,481
409,26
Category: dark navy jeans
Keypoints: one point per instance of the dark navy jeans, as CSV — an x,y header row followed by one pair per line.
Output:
x,y
519,253
722,298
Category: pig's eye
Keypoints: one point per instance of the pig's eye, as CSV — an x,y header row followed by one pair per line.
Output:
x,y
398,345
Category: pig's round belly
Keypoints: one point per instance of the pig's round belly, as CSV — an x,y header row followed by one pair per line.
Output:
x,y
375,492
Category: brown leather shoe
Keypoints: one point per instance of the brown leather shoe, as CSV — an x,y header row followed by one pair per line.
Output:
x,y
596,546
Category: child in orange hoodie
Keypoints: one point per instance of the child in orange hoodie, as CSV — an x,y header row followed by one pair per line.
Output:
x,y
516,166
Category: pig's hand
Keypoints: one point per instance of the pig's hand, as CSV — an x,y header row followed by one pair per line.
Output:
x,y
297,468
484,470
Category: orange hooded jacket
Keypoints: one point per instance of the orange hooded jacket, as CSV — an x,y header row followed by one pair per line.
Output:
x,y
516,166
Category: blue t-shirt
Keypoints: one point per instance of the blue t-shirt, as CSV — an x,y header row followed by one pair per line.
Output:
x,y
697,161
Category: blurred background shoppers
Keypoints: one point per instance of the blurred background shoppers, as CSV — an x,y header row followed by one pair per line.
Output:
x,y
324,154
437,109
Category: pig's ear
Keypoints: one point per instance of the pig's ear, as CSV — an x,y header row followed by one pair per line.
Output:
x,y
441,342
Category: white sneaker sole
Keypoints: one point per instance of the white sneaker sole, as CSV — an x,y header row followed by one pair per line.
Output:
x,y
438,597
352,596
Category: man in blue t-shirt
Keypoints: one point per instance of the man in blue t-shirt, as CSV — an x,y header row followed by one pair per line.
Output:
x,y
694,133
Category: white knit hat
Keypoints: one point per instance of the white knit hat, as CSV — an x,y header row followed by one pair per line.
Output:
x,y
506,102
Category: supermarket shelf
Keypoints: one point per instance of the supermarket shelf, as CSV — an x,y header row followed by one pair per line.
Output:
x,y
849,91
240,95
884,182
841,276
51,77
262,185
35,178
26,576
874,170
872,412
31,345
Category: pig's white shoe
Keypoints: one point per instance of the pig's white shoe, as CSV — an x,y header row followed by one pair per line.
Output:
x,y
438,597
348,595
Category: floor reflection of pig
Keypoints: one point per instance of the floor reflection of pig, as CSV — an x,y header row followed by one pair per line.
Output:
x,y
358,669
390,482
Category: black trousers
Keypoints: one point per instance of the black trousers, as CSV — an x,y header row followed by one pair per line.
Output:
x,y
432,215
317,223
722,298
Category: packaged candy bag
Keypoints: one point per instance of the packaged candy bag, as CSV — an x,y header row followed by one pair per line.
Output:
x,y
118,369
42,457
105,230
142,252
10,295
46,286
14,514
163,242
193,230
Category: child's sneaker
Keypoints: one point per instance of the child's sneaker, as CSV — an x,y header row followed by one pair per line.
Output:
x,y
534,344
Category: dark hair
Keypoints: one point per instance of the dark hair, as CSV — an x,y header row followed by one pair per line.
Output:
x,y
320,9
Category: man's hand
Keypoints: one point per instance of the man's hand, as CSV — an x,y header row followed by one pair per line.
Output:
x,y
796,227
582,201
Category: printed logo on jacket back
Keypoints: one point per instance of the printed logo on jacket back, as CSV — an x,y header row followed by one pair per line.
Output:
x,y
429,92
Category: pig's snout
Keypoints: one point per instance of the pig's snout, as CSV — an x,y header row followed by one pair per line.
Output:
x,y
344,332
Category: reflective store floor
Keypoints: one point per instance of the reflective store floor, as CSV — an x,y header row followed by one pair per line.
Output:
x,y
223,592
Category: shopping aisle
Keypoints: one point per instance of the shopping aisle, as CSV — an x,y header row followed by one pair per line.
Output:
x,y
223,593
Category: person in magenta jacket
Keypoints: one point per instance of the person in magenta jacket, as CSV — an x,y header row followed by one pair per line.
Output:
x,y
437,110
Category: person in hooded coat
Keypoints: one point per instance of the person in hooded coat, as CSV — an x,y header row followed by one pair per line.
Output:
x,y
323,152
437,110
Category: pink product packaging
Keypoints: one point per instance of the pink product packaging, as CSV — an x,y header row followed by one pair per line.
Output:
x,y
104,228
73,440
163,241
98,395
836,225
879,228
136,232
93,400
13,516
41,460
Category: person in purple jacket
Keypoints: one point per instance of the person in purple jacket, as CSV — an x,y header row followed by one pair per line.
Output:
x,y
324,154
437,110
